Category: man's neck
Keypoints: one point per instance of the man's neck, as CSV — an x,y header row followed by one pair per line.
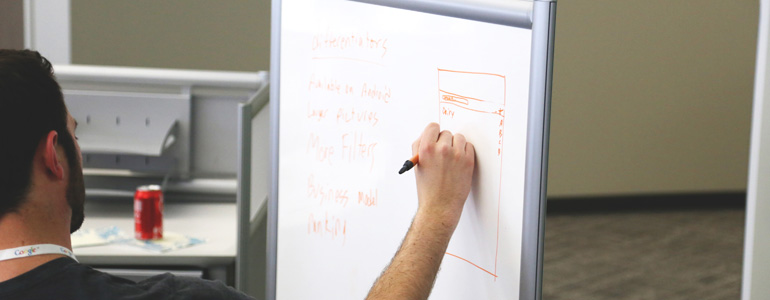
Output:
x,y
18,231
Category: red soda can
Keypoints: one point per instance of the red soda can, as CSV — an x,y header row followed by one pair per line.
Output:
x,y
148,213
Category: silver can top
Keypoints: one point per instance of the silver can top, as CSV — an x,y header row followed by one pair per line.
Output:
x,y
149,187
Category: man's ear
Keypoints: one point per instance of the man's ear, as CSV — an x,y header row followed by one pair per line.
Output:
x,y
51,157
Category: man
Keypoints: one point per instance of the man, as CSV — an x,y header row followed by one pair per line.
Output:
x,y
42,198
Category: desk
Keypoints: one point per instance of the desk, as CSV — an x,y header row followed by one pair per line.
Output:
x,y
214,222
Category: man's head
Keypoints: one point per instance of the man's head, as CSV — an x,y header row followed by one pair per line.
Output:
x,y
32,111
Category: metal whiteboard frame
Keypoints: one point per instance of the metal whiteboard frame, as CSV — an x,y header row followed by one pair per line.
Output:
x,y
501,12
756,248
537,15
536,166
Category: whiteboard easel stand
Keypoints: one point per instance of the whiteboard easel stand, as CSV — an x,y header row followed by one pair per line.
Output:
x,y
756,255
544,13
538,15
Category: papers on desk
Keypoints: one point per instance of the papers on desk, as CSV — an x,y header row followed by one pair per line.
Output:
x,y
98,236
170,241
113,235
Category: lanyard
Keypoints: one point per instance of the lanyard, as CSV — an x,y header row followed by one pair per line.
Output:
x,y
33,250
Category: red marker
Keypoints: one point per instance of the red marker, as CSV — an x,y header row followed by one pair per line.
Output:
x,y
409,164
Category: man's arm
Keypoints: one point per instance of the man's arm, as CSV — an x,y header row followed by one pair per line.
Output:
x,y
443,182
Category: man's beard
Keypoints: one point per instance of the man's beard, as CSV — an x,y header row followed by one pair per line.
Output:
x,y
76,194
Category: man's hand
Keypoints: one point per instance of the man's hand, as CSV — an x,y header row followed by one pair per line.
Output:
x,y
443,174
443,182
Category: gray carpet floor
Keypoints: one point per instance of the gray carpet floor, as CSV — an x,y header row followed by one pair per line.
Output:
x,y
665,254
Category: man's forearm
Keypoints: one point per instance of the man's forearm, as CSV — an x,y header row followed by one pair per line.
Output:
x,y
413,270
443,184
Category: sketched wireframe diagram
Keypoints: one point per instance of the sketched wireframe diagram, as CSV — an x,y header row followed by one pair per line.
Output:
x,y
473,103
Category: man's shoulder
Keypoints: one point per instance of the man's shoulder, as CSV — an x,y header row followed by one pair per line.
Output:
x,y
190,287
67,279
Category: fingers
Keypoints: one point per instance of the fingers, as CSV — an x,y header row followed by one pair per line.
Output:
x,y
458,141
470,151
464,150
445,139
430,134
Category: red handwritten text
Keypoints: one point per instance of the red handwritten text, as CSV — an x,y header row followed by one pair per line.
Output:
x,y
347,115
322,153
355,147
352,40
375,93
326,194
368,198
326,225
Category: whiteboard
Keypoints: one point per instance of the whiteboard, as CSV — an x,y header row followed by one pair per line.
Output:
x,y
355,85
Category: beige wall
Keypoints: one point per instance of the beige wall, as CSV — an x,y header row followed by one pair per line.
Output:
x,y
187,34
650,96
11,24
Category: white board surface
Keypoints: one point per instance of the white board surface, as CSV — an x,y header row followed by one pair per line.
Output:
x,y
358,84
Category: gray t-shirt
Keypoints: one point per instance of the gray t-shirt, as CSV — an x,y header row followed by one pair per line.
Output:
x,y
64,278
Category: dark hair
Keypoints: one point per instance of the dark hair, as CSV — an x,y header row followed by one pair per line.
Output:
x,y
31,105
